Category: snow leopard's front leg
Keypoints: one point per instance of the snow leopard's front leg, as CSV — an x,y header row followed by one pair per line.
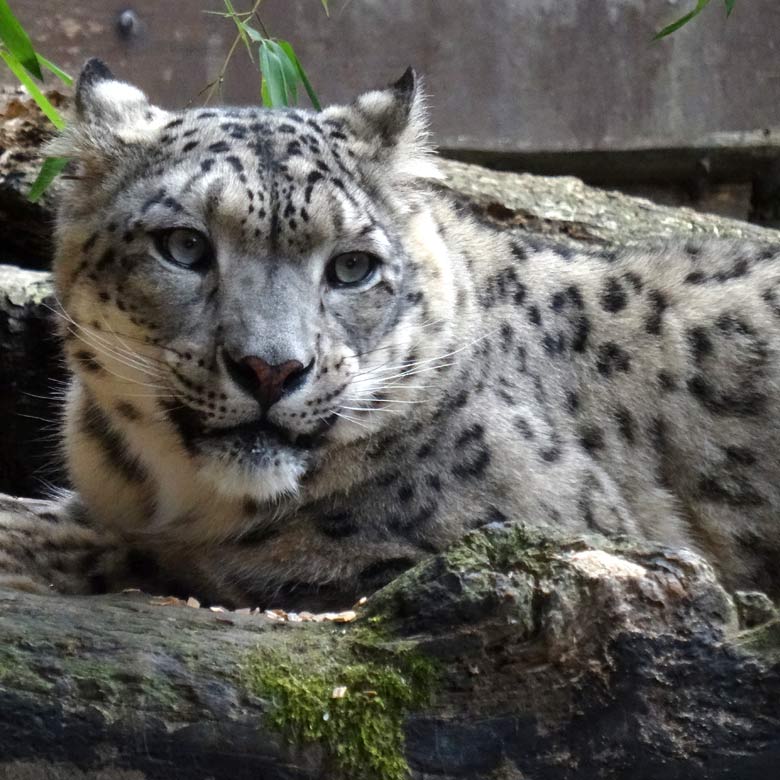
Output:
x,y
50,545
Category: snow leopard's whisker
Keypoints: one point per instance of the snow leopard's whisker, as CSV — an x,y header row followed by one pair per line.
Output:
x,y
445,356
369,409
401,373
108,346
410,326
89,337
121,349
128,380
375,400
111,354
399,385
114,354
352,420
149,395
142,357
57,395
416,371
121,377
46,420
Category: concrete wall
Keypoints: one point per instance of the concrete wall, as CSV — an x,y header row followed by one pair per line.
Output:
x,y
505,76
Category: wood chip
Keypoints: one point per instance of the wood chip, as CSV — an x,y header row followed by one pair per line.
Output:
x,y
193,602
339,692
217,609
166,601
344,617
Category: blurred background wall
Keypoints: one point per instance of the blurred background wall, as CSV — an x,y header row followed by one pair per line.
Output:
x,y
547,86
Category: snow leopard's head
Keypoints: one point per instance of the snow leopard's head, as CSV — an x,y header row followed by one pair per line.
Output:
x,y
262,282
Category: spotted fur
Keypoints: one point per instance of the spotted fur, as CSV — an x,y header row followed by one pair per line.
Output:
x,y
477,377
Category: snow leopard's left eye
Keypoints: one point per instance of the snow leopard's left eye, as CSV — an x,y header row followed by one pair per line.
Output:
x,y
185,247
351,268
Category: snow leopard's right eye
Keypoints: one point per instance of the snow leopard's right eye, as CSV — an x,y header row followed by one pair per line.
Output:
x,y
184,247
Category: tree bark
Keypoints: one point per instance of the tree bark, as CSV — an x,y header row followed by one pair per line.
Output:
x,y
546,657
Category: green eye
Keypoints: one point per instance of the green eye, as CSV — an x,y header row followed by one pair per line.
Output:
x,y
185,247
351,268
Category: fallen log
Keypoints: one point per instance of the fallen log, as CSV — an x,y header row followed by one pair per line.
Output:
x,y
516,654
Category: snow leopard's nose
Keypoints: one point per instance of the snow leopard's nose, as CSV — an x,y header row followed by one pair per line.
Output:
x,y
265,382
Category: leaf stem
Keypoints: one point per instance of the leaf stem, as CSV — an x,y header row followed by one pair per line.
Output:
x,y
212,86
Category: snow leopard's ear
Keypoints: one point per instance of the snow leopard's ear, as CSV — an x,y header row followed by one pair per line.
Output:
x,y
392,123
110,114
396,114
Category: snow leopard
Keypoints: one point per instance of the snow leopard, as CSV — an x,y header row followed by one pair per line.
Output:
x,y
300,366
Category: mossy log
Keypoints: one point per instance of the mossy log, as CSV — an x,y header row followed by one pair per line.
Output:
x,y
514,655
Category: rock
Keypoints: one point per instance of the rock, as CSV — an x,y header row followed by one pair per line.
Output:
x,y
754,608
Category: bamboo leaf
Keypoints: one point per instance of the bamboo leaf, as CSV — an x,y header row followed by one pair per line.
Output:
x,y
58,72
16,40
273,77
252,33
50,170
288,49
35,93
674,26
325,6
289,72
264,94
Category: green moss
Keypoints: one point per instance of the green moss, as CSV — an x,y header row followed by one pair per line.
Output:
x,y
763,640
362,731
17,673
511,547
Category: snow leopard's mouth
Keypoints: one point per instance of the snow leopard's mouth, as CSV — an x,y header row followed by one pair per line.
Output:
x,y
262,431
254,437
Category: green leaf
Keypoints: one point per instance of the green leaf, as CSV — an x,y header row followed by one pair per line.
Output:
x,y
289,72
50,170
18,70
288,49
273,76
674,26
325,6
58,72
252,33
730,6
17,41
264,93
